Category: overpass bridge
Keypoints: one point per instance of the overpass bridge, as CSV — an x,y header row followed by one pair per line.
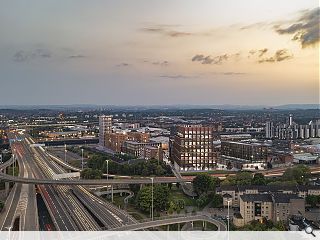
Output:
x,y
173,220
46,181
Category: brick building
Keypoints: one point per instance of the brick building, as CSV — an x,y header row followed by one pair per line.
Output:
x,y
192,147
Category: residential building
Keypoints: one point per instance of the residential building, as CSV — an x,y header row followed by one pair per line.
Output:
x,y
248,155
115,141
233,193
105,127
146,150
192,147
290,130
269,206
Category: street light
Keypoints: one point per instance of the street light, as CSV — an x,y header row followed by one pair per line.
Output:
x,y
107,174
152,199
107,169
82,159
13,164
228,218
9,229
65,152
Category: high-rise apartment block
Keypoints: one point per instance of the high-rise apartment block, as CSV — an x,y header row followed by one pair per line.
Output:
x,y
291,130
105,127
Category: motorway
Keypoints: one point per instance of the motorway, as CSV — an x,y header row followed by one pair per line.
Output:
x,y
20,210
89,212
71,207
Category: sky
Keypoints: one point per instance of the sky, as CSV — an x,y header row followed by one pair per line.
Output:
x,y
159,52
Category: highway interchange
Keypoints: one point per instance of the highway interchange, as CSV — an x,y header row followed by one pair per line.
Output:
x,y
70,204
71,207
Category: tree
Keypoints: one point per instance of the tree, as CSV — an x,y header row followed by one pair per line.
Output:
x,y
89,173
217,201
258,179
160,198
203,200
203,183
241,178
313,200
299,173
229,165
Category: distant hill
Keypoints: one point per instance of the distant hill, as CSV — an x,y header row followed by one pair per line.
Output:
x,y
84,107
298,106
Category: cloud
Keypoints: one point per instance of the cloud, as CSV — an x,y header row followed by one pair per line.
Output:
x,y
123,65
234,73
166,30
217,60
22,56
162,64
263,51
279,56
177,76
254,25
305,29
77,56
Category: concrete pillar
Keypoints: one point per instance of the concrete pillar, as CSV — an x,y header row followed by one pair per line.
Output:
x,y
7,188
178,226
168,227
192,225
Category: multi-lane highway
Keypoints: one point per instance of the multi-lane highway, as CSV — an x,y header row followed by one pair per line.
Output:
x,y
89,212
71,207
20,208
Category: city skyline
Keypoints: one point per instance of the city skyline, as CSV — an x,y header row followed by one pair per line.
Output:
x,y
160,53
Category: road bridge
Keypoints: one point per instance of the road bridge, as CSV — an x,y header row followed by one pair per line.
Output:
x,y
169,221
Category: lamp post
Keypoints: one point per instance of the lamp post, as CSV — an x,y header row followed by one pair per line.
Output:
x,y
228,218
65,152
107,169
107,174
82,159
152,199
13,164
9,229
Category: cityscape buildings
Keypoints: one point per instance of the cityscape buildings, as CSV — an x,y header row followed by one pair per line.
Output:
x,y
291,130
